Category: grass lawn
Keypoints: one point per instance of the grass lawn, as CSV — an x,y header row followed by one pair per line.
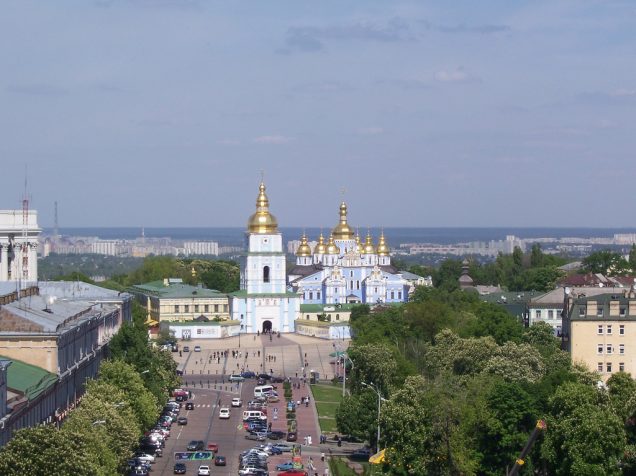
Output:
x,y
327,393
327,398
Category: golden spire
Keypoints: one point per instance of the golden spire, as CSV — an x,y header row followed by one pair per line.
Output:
x,y
383,249
320,248
304,249
262,221
359,247
332,248
368,245
343,231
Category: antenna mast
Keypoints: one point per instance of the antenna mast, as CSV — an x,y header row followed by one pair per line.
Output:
x,y
25,233
56,229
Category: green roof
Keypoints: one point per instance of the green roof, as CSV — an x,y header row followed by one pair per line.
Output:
x,y
28,379
175,290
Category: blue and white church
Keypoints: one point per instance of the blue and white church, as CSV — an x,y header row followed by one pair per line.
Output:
x,y
345,270
264,302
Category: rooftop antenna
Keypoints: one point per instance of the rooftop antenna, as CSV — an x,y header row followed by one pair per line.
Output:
x,y
23,273
56,228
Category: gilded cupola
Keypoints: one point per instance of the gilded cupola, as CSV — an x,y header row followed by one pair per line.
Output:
x,y
359,245
369,249
332,248
383,249
304,249
262,221
343,231
320,248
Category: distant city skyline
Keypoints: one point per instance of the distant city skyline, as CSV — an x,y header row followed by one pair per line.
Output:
x,y
162,113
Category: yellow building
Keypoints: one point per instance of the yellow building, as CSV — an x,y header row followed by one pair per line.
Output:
x,y
599,331
171,300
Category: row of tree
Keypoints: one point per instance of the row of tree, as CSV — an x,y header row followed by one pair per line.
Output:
x,y
465,384
100,434
213,274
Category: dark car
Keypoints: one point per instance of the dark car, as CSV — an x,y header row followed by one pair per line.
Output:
x,y
150,450
186,348
196,445
261,381
248,374
182,420
189,406
265,376
278,379
292,436
220,461
276,435
180,468
361,454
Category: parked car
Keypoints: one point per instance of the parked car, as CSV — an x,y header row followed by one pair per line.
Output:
x,y
237,402
361,454
189,406
236,378
186,348
276,435
224,413
141,456
197,348
292,436
277,379
182,420
256,436
283,447
220,461
293,472
180,468
285,466
195,445
248,374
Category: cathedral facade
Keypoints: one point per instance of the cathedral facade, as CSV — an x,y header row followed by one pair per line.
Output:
x,y
264,302
347,270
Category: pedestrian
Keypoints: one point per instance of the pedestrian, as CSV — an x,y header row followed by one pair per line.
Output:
x,y
259,353
309,440
326,472
305,441
269,426
322,456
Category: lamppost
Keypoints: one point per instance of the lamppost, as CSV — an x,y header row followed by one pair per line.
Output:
x,y
240,335
344,356
380,400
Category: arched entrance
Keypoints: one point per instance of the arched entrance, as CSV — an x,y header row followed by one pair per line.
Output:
x,y
267,327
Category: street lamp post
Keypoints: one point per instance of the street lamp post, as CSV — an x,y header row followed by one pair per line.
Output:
x,y
380,399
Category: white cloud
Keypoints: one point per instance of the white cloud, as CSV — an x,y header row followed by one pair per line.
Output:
x,y
273,140
623,92
370,131
458,75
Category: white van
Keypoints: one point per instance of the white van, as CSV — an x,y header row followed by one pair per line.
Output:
x,y
254,414
263,391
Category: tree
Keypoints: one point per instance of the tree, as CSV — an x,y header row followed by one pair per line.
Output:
x,y
632,258
536,256
605,262
357,415
40,450
584,435
124,377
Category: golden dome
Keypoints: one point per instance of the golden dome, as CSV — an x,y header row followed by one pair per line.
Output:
x,y
262,221
359,246
332,248
343,231
320,248
368,246
304,249
383,249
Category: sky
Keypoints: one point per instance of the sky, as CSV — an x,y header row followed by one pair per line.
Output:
x,y
164,113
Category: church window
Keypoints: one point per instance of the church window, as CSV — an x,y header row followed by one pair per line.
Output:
x,y
358,284
375,290
206,308
317,294
351,273
216,308
400,295
352,284
311,295
176,308
266,274
186,308
392,294
337,317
